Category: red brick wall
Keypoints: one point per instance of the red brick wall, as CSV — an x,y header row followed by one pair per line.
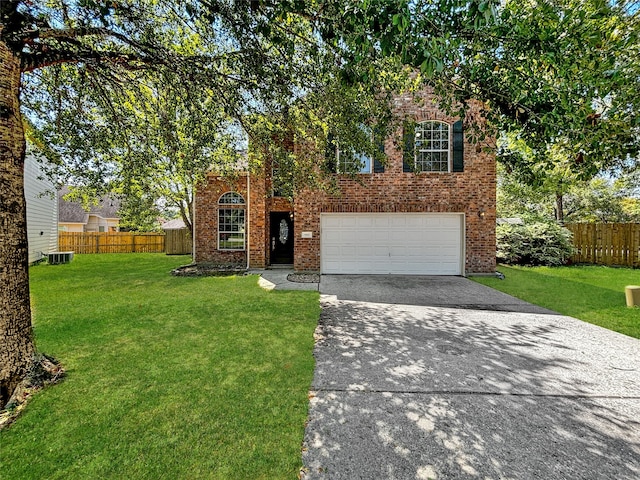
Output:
x,y
206,219
467,192
259,204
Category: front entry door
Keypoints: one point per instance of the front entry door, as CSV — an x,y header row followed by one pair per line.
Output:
x,y
281,238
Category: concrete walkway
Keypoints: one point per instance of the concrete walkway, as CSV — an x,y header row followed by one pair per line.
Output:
x,y
410,391
276,279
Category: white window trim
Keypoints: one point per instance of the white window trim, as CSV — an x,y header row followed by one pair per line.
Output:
x,y
240,206
442,150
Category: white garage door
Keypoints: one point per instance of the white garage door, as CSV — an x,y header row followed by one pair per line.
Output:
x,y
397,243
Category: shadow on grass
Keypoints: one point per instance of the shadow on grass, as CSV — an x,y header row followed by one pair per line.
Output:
x,y
419,392
571,291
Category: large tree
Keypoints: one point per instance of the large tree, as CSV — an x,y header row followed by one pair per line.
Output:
x,y
35,35
246,57
149,142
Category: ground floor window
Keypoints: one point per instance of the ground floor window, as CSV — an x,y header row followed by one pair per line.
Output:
x,y
231,222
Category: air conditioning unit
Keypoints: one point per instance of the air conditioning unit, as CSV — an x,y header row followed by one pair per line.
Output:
x,y
56,258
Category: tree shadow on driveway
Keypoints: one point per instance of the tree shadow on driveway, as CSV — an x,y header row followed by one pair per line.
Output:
x,y
425,392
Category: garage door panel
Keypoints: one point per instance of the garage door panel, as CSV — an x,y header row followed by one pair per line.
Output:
x,y
366,251
398,221
428,244
414,221
331,221
380,221
370,223
349,237
450,221
376,236
400,237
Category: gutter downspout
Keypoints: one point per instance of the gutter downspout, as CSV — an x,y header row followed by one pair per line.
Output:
x,y
193,227
248,220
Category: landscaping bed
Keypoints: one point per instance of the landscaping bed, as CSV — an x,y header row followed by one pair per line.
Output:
x,y
208,270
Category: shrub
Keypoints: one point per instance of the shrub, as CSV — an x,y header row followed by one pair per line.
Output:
x,y
533,244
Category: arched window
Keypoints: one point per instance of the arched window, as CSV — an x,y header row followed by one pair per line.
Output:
x,y
231,198
231,222
432,144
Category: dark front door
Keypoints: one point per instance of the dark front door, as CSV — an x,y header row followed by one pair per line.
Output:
x,y
281,238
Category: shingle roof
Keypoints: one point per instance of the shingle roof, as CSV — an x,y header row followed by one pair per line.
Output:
x,y
72,212
174,224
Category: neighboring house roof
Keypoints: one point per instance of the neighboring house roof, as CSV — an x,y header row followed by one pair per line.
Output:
x,y
72,211
175,224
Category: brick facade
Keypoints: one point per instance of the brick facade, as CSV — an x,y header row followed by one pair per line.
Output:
x,y
471,192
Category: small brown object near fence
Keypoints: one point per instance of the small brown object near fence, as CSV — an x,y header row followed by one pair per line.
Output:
x,y
111,242
632,294
615,244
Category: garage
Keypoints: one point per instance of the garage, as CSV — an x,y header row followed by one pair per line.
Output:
x,y
392,243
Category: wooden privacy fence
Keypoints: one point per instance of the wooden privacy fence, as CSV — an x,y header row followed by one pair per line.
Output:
x,y
178,241
111,242
606,243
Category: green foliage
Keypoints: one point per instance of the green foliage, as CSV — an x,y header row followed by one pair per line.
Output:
x,y
239,73
533,244
139,213
601,199
167,377
562,76
353,116
593,294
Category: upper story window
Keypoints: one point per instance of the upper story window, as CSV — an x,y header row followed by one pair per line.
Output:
x,y
432,147
231,222
345,161
358,163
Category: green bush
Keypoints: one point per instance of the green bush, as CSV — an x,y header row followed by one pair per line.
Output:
x,y
533,244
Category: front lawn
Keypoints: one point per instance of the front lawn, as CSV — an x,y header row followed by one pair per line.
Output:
x,y
167,377
591,293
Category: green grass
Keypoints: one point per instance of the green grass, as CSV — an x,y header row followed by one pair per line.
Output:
x,y
591,293
168,377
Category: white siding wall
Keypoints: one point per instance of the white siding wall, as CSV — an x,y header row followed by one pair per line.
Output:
x,y
42,211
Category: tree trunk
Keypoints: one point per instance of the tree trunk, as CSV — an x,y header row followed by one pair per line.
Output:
x,y
16,336
186,212
559,208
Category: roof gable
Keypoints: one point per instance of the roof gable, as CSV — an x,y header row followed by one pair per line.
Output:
x,y
73,212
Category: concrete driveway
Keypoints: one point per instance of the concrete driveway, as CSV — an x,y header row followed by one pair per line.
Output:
x,y
409,390
458,292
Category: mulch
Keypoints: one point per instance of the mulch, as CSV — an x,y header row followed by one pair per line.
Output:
x,y
208,270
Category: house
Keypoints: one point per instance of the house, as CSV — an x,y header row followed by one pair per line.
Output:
x,y
430,210
103,217
42,210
